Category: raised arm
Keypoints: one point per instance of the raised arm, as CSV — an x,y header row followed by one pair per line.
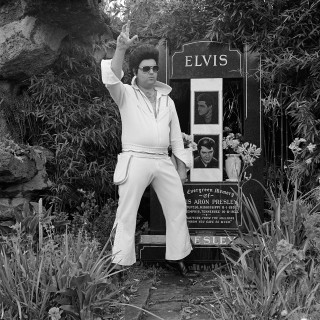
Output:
x,y
123,43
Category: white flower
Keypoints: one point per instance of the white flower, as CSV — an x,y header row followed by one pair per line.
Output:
x,y
284,313
55,313
308,161
311,147
295,145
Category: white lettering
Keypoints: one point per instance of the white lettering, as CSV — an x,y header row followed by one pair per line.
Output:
x,y
205,59
223,240
200,201
215,60
188,61
206,240
223,58
208,60
197,64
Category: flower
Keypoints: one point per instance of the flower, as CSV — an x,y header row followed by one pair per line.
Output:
x,y
55,313
188,142
295,145
231,142
311,147
308,161
249,152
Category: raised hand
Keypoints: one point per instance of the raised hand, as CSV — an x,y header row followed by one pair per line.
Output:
x,y
123,40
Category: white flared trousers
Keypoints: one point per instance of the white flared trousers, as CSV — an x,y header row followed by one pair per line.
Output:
x,y
163,177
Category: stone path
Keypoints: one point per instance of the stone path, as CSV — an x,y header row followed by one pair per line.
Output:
x,y
171,297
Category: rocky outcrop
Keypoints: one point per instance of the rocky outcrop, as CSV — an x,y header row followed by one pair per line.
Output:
x,y
27,47
21,177
31,32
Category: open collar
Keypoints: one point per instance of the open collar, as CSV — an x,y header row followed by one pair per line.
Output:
x,y
159,86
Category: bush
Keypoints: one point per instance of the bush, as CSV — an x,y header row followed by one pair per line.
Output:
x,y
62,271
68,110
274,268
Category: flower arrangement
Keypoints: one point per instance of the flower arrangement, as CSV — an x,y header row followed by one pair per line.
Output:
x,y
231,142
248,152
188,142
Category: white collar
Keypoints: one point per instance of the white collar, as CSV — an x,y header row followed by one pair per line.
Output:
x,y
159,86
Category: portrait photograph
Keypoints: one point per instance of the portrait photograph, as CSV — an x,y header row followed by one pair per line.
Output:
x,y
206,107
207,153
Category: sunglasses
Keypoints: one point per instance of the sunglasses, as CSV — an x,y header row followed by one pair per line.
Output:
x,y
148,68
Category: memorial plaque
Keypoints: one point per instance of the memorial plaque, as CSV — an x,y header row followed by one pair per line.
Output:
x,y
214,218
206,59
212,206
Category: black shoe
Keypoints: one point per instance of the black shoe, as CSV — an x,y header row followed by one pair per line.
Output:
x,y
180,266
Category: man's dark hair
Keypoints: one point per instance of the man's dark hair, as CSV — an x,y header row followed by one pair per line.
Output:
x,y
205,97
206,142
143,52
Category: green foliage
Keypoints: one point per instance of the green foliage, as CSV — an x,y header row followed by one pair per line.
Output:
x,y
103,223
94,221
82,278
72,115
178,21
274,267
67,271
285,34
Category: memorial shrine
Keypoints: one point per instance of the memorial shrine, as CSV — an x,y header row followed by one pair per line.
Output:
x,y
216,90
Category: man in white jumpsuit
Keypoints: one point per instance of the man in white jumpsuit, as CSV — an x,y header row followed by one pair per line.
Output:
x,y
149,125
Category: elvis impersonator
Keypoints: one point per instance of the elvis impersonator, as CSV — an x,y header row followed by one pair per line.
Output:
x,y
149,125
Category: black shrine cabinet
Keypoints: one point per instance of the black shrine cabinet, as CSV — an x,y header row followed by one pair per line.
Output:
x,y
229,76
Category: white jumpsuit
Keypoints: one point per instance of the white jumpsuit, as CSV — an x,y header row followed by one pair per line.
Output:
x,y
147,138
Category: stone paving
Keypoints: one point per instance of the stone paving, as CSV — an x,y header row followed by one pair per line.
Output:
x,y
172,297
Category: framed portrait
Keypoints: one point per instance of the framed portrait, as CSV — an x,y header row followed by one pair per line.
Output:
x,y
207,154
207,159
206,129
206,107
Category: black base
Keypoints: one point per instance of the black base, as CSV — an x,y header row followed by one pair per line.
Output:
x,y
200,258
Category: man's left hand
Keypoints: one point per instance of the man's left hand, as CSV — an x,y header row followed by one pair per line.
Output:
x,y
182,174
182,170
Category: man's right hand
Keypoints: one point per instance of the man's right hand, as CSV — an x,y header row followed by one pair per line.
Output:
x,y
123,40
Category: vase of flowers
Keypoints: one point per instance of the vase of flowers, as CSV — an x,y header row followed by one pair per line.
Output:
x,y
240,155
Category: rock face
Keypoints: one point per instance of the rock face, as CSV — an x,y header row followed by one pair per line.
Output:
x,y
31,32
31,35
27,47
21,176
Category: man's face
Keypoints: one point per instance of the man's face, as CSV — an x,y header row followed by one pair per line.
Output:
x,y
147,79
206,154
203,109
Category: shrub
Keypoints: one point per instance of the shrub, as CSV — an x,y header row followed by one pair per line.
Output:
x,y
65,271
68,110
274,267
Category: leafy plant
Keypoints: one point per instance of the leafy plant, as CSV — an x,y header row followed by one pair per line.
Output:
x,y
24,281
82,278
274,267
70,112
66,271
